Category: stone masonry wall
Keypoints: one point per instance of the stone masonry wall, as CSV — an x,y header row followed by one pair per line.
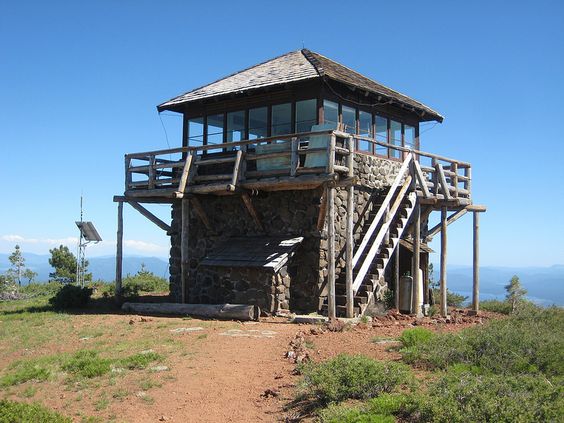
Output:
x,y
301,285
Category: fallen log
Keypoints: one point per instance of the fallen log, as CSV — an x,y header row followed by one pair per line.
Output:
x,y
212,311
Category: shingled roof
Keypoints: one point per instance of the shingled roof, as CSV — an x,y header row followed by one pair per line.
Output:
x,y
293,67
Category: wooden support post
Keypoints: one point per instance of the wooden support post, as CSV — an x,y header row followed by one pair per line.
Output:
x,y
252,211
397,277
294,158
127,172
322,211
150,216
197,205
332,309
152,178
184,257
349,234
417,298
119,252
476,264
443,276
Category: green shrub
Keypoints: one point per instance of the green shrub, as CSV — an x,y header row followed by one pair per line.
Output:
x,y
381,409
528,341
143,281
482,398
352,377
453,299
140,360
415,336
40,289
496,306
389,299
71,296
87,364
16,412
347,414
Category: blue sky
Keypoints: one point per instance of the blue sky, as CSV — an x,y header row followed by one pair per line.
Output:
x,y
79,82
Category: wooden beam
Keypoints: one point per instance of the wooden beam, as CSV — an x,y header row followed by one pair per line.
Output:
x,y
197,205
476,264
443,275
184,248
350,233
332,309
236,168
421,179
476,208
442,179
322,211
451,219
416,261
397,277
252,211
119,252
150,216
185,173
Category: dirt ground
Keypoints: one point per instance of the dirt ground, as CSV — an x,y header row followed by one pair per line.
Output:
x,y
217,371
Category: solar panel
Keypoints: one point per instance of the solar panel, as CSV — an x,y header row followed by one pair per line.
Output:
x,y
88,231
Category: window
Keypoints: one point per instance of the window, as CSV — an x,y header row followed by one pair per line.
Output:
x,y
215,129
365,130
235,126
196,131
349,119
395,131
258,123
409,136
306,115
381,135
282,119
330,113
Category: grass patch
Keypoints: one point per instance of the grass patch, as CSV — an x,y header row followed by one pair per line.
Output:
x,y
139,361
352,377
415,336
202,336
146,384
497,306
101,403
87,364
11,411
29,392
22,371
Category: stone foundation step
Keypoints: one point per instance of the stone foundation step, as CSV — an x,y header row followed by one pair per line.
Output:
x,y
358,299
341,310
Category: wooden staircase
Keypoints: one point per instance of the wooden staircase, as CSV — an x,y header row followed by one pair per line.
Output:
x,y
381,237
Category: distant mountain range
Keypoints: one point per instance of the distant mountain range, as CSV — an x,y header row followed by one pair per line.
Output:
x,y
545,285
103,267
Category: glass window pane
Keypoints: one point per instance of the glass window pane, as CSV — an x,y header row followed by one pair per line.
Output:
x,y
395,129
306,115
196,131
258,123
215,129
235,126
365,129
381,134
349,119
282,119
409,136
330,113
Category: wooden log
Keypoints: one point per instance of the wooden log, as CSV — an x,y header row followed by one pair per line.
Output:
x,y
331,253
331,154
476,264
150,216
288,182
421,178
442,180
322,211
451,219
119,253
184,248
220,177
206,162
341,169
197,206
151,172
185,173
252,211
210,311
127,172
294,158
236,168
443,264
397,277
416,260
350,231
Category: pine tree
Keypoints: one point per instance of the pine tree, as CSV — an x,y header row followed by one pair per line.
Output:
x,y
18,263
515,292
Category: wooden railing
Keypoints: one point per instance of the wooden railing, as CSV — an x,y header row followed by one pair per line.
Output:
x,y
320,152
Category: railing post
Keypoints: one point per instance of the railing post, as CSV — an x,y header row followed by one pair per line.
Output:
x,y
454,178
294,159
331,154
151,183
127,172
468,182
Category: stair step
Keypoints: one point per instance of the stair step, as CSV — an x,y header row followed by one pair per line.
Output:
x,y
358,299
341,310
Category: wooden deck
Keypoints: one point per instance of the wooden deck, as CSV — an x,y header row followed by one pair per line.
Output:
x,y
289,162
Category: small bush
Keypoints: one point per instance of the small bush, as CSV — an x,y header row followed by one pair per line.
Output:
x,y
381,409
12,412
143,281
496,306
87,364
352,377
71,296
453,299
481,398
415,336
